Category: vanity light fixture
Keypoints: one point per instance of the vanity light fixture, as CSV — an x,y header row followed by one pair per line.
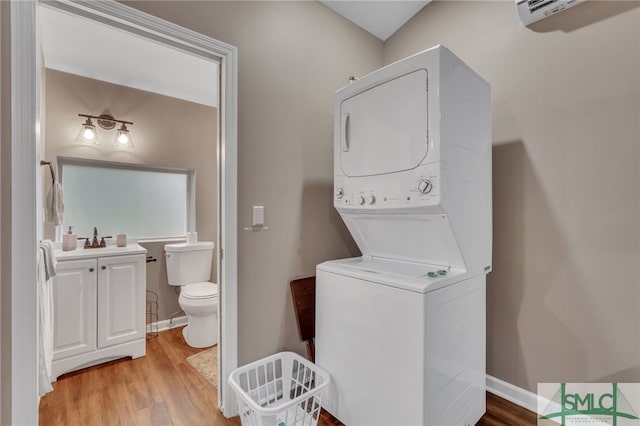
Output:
x,y
88,134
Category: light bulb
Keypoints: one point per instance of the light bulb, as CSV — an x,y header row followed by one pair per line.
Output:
x,y
123,138
89,134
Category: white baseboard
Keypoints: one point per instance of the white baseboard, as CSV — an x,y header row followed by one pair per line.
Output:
x,y
513,393
167,324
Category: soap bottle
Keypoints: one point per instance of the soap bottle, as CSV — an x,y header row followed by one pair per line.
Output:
x,y
69,241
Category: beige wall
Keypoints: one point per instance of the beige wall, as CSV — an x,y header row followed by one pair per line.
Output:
x,y
293,56
5,214
563,299
166,132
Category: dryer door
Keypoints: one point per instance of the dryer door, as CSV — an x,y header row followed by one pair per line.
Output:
x,y
385,129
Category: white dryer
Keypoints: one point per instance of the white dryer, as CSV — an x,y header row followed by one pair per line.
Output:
x,y
402,329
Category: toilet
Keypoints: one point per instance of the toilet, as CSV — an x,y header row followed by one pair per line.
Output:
x,y
189,267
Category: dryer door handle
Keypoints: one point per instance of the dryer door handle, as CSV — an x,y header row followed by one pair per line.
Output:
x,y
344,135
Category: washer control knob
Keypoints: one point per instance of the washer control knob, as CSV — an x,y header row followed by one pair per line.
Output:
x,y
339,193
425,186
361,200
371,199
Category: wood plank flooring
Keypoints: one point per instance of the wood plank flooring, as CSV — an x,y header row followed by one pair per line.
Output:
x,y
160,388
163,389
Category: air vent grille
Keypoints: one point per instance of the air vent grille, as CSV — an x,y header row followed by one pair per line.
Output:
x,y
539,4
531,11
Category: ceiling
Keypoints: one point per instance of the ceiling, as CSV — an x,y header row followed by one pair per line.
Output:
x,y
381,18
90,49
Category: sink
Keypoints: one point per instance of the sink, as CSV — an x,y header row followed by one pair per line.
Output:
x,y
109,250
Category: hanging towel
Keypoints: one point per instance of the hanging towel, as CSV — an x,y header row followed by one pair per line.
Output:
x,y
49,258
54,204
46,271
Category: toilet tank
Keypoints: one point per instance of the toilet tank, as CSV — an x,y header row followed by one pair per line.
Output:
x,y
188,263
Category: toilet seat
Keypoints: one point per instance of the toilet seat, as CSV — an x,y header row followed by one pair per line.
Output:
x,y
199,291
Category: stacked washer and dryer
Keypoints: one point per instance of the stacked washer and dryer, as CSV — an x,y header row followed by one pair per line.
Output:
x,y
402,329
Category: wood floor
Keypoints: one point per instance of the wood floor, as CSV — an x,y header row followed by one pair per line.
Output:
x,y
160,388
163,389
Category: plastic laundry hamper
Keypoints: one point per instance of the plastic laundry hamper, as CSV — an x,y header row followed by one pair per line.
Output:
x,y
281,390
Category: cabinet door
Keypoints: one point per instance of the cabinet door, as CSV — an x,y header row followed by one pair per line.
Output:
x,y
74,308
121,299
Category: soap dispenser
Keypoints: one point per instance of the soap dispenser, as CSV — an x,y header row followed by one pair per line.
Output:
x,y
69,241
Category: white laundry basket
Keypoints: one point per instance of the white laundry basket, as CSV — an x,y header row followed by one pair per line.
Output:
x,y
280,390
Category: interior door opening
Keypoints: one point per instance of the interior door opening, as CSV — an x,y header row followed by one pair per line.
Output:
x,y
25,26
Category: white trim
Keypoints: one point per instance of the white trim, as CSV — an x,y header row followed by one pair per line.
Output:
x,y
26,201
25,168
228,235
512,393
165,325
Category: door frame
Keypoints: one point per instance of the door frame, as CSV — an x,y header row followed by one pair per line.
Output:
x,y
26,200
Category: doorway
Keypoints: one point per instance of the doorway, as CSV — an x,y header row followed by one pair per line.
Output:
x,y
26,175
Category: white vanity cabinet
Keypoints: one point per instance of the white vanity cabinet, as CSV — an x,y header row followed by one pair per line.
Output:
x,y
75,288
99,307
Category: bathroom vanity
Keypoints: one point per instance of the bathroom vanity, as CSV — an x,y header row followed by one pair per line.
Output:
x,y
99,306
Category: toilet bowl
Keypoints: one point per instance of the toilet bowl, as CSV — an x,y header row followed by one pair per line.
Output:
x,y
200,303
189,267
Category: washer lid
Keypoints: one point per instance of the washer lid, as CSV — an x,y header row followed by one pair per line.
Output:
x,y
418,278
204,290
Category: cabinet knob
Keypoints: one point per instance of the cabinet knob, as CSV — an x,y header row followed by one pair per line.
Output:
x,y
91,269
103,267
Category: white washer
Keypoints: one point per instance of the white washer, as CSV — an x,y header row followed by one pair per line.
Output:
x,y
401,350
402,329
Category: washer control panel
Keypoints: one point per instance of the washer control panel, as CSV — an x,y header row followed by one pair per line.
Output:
x,y
425,186
417,187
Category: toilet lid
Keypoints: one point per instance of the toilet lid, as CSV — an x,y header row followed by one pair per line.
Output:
x,y
204,290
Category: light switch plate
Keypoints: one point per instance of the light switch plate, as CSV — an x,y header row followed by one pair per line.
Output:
x,y
258,215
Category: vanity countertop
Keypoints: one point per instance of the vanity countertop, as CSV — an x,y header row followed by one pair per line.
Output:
x,y
110,250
